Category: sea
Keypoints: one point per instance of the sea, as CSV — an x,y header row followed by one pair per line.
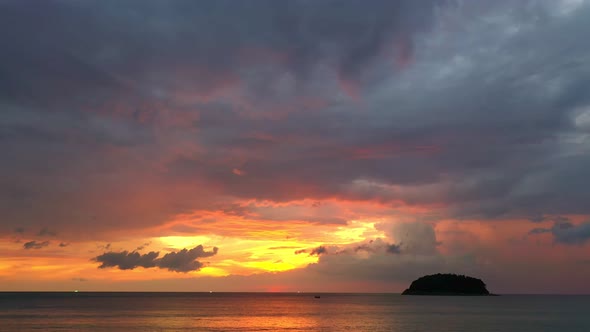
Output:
x,y
294,312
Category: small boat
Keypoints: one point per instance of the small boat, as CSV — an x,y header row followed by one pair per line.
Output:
x,y
317,296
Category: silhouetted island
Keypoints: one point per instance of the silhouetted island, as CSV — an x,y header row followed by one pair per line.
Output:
x,y
447,284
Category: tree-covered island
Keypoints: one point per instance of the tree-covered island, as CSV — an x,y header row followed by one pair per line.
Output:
x,y
447,284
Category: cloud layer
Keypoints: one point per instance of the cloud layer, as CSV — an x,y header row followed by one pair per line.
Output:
x,y
253,101
327,124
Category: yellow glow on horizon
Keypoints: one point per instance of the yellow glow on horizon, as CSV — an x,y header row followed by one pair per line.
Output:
x,y
249,248
211,271
243,255
355,231
276,266
267,250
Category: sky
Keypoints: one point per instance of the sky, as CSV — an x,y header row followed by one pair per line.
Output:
x,y
301,145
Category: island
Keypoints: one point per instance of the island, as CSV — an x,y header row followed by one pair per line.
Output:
x,y
447,284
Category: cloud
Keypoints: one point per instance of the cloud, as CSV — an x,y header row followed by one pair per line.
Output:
x,y
146,86
565,232
35,245
394,249
541,218
539,231
412,237
46,232
170,101
141,247
185,260
127,260
298,35
377,246
313,252
318,251
283,247
573,234
382,262
181,261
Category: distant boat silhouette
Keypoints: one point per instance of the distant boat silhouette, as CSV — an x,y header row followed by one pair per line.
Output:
x,y
317,296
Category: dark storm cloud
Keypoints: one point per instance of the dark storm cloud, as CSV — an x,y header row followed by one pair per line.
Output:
x,y
566,233
184,260
35,244
479,108
113,44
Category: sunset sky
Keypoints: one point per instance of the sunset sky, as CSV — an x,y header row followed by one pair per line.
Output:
x,y
313,145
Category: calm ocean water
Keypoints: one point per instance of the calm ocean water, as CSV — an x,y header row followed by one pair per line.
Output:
x,y
289,312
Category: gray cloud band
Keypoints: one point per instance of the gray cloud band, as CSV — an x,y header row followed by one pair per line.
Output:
x,y
489,121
